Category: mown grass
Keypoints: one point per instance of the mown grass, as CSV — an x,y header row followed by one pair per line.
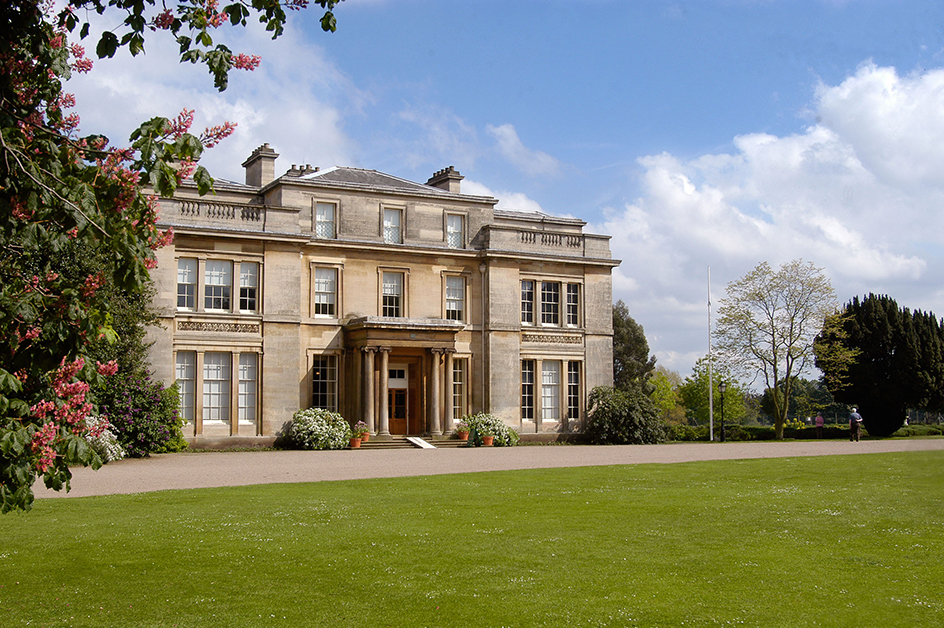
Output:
x,y
827,541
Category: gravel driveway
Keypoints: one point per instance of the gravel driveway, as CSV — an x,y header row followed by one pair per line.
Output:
x,y
204,470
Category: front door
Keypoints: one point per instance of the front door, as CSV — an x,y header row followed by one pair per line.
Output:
x,y
397,408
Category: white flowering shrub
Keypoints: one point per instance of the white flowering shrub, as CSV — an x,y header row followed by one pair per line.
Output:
x,y
485,423
316,428
102,440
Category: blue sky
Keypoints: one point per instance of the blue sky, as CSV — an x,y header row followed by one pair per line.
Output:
x,y
697,133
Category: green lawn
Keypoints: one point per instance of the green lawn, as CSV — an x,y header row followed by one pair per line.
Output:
x,y
829,541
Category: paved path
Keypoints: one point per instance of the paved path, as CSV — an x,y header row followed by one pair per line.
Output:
x,y
204,470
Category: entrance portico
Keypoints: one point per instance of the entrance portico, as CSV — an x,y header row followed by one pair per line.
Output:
x,y
400,375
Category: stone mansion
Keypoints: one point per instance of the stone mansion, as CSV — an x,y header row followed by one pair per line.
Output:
x,y
405,305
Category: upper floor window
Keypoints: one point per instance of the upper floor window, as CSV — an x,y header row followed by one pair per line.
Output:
x,y
392,226
218,285
455,231
455,298
573,304
248,286
550,303
186,283
326,291
527,302
325,220
392,294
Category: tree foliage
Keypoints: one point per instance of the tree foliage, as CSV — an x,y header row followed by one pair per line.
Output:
x,y
58,188
895,361
622,417
768,323
693,393
631,360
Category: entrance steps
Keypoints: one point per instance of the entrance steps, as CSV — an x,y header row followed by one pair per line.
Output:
x,y
403,442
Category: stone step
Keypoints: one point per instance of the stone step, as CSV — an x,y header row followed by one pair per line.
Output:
x,y
401,442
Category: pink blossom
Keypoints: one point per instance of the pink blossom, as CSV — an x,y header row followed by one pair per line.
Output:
x,y
107,369
164,20
246,62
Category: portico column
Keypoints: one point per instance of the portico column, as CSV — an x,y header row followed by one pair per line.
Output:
x,y
384,428
436,406
367,388
450,410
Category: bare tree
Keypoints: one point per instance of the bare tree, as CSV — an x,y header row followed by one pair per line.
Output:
x,y
768,324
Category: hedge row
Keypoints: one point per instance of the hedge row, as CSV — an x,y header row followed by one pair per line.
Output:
x,y
766,432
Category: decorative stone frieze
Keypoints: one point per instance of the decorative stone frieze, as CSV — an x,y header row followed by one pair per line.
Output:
x,y
552,339
239,328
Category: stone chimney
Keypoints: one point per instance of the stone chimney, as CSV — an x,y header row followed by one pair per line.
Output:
x,y
446,179
260,167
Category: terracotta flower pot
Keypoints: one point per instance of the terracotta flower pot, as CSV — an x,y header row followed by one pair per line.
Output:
x,y
365,437
355,443
488,441
463,435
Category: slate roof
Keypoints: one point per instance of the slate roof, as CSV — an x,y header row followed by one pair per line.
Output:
x,y
370,178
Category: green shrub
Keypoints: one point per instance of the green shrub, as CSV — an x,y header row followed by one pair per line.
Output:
x,y
485,423
143,414
316,428
622,417
920,430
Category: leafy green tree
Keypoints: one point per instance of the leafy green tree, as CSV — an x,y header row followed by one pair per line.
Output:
x,y
897,361
768,323
632,363
622,417
694,395
57,188
665,394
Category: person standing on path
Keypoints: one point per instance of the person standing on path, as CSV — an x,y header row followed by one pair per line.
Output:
x,y
855,425
819,424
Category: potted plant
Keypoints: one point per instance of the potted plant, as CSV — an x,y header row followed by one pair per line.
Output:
x,y
360,431
487,434
462,430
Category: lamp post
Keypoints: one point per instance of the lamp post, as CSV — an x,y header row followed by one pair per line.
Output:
x,y
721,388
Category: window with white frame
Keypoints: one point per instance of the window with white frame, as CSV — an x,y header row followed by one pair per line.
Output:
x,y
218,285
455,231
326,292
247,386
392,294
217,368
573,304
186,372
527,302
455,298
459,380
248,286
325,220
392,225
324,382
550,303
186,283
527,390
573,390
550,390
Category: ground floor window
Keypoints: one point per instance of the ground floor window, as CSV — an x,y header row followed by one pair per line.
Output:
x,y
247,387
550,391
459,379
186,371
527,390
216,386
324,382
573,391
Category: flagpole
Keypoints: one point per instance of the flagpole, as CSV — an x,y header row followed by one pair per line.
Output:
x,y
711,399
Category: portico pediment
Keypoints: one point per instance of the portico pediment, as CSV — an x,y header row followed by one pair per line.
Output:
x,y
377,331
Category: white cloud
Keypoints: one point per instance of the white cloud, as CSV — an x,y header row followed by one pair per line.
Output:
x,y
512,201
858,193
531,162
294,100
